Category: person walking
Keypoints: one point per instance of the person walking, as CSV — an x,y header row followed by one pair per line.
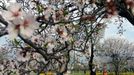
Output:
x,y
104,70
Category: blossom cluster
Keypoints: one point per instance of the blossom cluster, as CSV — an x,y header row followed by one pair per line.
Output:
x,y
130,5
19,22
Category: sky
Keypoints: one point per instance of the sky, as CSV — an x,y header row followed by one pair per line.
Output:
x,y
112,30
3,40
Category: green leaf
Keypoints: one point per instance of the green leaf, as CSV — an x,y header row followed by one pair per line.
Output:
x,y
65,12
40,8
45,45
71,40
16,42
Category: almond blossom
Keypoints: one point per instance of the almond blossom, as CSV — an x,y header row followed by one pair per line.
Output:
x,y
13,11
62,32
36,39
21,57
13,28
48,12
25,26
28,25
130,5
19,22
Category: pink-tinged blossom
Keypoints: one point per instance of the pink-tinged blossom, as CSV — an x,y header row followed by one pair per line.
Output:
x,y
108,0
13,28
28,25
13,11
133,10
49,10
50,46
130,4
36,39
19,22
62,32
12,31
36,56
25,26
21,57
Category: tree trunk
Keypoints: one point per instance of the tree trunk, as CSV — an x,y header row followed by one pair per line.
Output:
x,y
62,69
116,73
90,63
63,65
59,73
91,60
116,70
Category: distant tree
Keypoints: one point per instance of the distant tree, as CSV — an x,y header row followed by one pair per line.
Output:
x,y
118,51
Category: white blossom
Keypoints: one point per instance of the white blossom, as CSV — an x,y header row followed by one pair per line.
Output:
x,y
48,12
20,56
19,22
13,30
28,25
13,11
25,26
1,67
36,38
108,0
36,56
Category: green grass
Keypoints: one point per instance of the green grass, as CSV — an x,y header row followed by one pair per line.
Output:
x,y
77,73
100,73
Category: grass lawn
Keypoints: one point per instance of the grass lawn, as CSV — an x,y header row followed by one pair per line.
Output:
x,y
87,73
99,73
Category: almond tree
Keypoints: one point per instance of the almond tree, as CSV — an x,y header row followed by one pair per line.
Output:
x,y
118,51
56,27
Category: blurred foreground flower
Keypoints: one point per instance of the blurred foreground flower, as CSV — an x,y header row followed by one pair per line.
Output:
x,y
19,22
13,11
28,25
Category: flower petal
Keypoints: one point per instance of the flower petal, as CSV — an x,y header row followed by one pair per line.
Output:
x,y
7,15
132,10
27,32
14,7
31,21
12,32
